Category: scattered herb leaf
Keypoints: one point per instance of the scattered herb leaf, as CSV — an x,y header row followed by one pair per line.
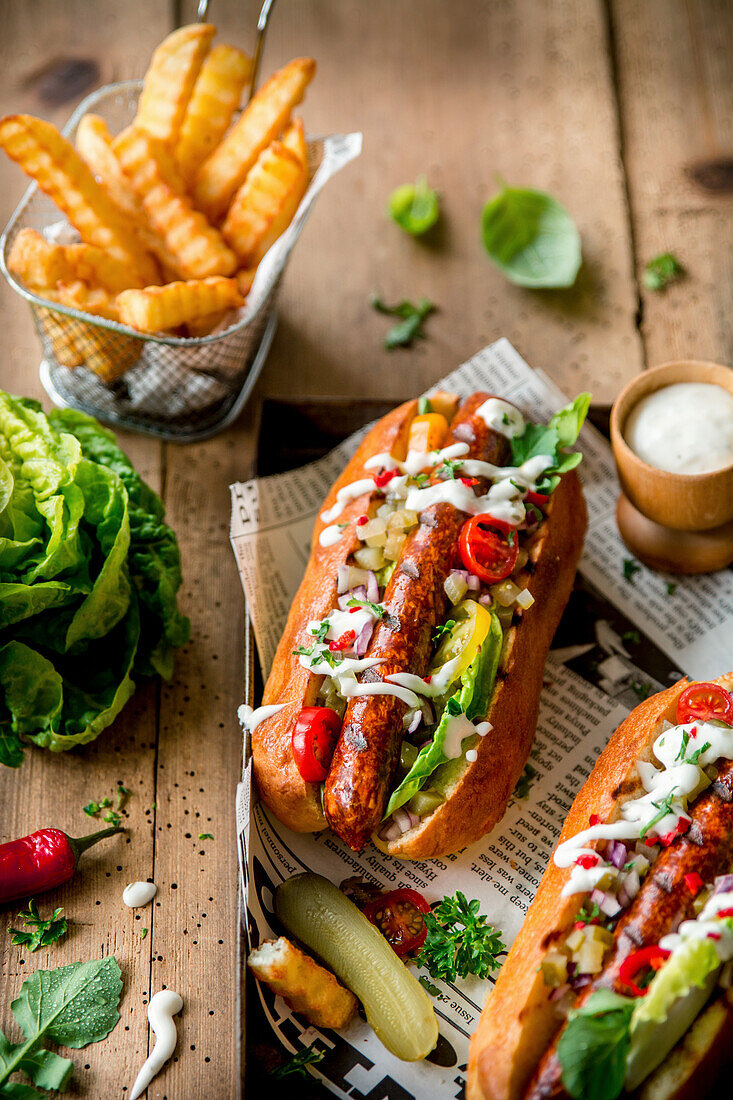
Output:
x,y
459,941
448,468
112,817
683,746
661,271
671,588
205,836
410,327
296,1065
143,933
72,1005
428,986
37,931
663,808
414,206
531,238
593,1047
525,781
630,568
695,757
444,629
375,608
91,809
631,636
122,795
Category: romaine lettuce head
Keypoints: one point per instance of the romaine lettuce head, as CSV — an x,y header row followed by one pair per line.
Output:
x,y
89,576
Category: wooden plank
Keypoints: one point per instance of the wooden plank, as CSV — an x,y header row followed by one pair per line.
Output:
x,y
673,61
462,91
40,39
199,763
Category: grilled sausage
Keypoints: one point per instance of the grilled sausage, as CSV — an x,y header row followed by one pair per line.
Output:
x,y
663,902
368,749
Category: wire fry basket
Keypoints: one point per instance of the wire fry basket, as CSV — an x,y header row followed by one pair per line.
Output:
x,y
172,387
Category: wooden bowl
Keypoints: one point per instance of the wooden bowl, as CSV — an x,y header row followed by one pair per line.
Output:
x,y
685,502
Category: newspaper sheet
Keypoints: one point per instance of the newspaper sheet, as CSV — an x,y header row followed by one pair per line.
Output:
x,y
620,639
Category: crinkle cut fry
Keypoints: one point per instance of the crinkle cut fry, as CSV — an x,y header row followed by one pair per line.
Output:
x,y
215,98
161,308
52,161
170,80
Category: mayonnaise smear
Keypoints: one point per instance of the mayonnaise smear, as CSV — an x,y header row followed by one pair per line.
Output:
x,y
161,1010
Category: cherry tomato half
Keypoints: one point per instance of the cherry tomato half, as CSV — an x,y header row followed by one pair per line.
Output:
x,y
314,740
703,702
399,917
488,548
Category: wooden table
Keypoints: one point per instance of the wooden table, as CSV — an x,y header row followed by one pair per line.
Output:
x,y
622,110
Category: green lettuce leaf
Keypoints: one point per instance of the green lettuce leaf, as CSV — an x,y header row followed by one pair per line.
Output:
x,y
552,439
593,1047
89,579
472,699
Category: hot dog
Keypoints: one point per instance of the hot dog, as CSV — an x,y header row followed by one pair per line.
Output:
x,y
440,565
631,929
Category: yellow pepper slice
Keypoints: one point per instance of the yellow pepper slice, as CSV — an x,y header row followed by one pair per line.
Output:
x,y
427,432
471,628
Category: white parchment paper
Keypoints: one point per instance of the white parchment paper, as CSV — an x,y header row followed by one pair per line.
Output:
x,y
619,641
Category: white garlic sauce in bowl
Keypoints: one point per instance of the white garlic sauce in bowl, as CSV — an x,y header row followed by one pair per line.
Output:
x,y
685,428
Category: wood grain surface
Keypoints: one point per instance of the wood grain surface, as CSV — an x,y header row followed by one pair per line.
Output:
x,y
620,109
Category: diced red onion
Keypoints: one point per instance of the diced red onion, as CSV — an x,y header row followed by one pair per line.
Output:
x,y
390,830
416,720
581,981
472,581
559,993
723,884
616,853
606,902
427,712
629,888
372,586
361,643
486,599
405,819
342,578
358,593
572,968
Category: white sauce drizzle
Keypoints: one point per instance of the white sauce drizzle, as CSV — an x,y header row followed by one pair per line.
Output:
x,y
457,728
345,495
705,924
678,778
438,684
137,894
329,536
417,461
503,500
252,718
501,417
686,428
161,1010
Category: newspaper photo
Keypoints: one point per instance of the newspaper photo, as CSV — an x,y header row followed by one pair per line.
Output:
x,y
627,632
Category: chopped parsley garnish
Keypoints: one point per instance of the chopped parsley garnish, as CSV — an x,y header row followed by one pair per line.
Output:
x,y
453,707
296,1065
38,932
428,986
448,469
641,690
143,933
410,327
661,271
695,758
375,608
112,817
122,795
459,941
525,781
444,629
671,588
664,809
421,479
631,636
92,808
630,568
205,836
683,747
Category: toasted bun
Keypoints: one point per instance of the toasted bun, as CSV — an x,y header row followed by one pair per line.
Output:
x,y
478,793
519,1022
293,801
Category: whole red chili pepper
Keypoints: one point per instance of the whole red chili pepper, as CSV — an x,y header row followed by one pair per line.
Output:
x,y
42,860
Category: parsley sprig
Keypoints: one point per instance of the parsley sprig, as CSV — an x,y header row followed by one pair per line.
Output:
x,y
38,932
447,471
376,609
410,327
459,941
296,1065
663,808
444,629
695,758
661,271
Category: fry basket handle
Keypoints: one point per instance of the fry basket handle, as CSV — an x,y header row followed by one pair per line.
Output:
x,y
201,14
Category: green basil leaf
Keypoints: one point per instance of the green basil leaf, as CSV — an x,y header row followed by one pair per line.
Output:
x,y
531,238
593,1047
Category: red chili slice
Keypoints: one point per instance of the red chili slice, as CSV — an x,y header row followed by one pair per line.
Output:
x,y
705,701
488,548
594,819
314,740
399,917
693,882
587,861
725,912
343,641
653,956
384,477
538,499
